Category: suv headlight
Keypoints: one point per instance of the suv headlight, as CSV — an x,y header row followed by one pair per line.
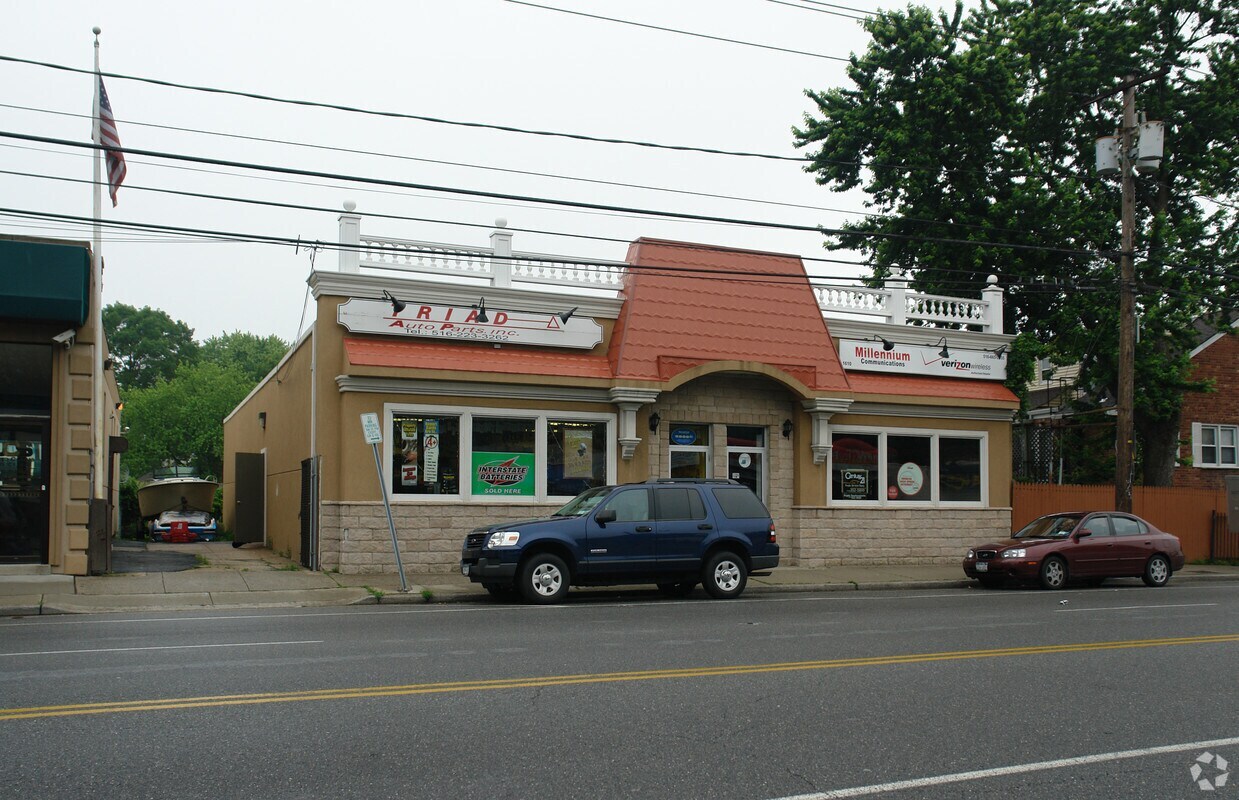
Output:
x,y
503,539
1015,552
971,553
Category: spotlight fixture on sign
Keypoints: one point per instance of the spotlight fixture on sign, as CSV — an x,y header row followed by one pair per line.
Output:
x,y
396,305
480,305
944,352
564,316
1000,351
887,344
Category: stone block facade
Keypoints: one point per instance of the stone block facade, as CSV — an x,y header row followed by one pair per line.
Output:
x,y
831,537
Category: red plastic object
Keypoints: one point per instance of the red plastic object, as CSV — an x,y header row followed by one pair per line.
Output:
x,y
179,532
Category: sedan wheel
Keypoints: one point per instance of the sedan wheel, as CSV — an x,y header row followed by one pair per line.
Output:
x,y
724,576
1157,571
1053,573
544,579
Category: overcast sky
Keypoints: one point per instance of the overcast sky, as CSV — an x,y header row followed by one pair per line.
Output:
x,y
487,61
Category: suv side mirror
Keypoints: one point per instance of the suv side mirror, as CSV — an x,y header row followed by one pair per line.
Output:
x,y
1080,534
605,516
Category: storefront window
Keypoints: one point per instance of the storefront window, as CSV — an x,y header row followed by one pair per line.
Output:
x,y
959,461
503,456
924,467
426,459
855,472
576,456
908,475
690,450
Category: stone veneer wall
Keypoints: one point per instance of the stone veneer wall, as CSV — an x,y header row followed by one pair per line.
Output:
x,y
354,537
70,552
828,537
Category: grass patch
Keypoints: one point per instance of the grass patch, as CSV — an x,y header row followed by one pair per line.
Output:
x,y
201,561
288,568
378,593
1217,562
427,595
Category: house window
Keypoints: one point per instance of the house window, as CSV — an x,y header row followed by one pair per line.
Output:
x,y
1216,445
486,454
913,467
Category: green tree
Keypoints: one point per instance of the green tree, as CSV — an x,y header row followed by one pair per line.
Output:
x,y
973,137
180,421
253,355
146,344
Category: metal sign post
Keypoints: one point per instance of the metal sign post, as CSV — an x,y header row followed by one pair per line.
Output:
x,y
374,437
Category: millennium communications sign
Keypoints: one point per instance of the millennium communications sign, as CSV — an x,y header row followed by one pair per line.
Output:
x,y
928,360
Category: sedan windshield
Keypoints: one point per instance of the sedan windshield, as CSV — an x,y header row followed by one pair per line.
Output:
x,y
584,502
1057,526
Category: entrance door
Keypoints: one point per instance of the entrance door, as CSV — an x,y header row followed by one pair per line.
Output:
x,y
23,492
746,457
250,498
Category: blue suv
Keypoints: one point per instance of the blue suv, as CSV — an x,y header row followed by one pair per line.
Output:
x,y
675,533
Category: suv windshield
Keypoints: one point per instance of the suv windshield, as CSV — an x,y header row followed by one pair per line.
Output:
x,y
584,502
1055,527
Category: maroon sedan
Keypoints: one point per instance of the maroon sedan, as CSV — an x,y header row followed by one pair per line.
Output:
x,y
1091,546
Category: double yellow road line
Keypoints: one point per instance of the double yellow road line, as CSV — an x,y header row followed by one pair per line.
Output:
x,y
35,712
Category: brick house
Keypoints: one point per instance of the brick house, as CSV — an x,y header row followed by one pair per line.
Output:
x,y
1209,431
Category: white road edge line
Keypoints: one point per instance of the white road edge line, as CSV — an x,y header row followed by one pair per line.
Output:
x,y
1129,608
997,772
162,647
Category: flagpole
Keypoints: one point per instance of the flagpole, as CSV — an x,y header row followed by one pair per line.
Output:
x,y
96,295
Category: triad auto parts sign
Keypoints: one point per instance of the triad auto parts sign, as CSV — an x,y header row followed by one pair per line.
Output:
x,y
928,360
361,315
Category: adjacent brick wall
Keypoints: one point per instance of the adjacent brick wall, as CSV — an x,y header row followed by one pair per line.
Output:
x,y
1220,362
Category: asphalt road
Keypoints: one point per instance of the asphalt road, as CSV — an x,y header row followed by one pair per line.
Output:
x,y
1115,692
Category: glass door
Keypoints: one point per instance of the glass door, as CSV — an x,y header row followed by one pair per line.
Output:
x,y
23,492
690,450
746,457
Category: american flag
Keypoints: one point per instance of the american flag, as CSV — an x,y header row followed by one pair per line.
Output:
x,y
110,139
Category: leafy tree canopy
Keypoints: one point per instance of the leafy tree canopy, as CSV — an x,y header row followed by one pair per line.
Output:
x,y
973,137
254,356
146,344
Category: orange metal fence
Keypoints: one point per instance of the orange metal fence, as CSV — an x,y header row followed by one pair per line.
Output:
x,y
1190,514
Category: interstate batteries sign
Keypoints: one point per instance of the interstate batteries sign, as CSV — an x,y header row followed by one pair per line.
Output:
x,y
914,360
361,315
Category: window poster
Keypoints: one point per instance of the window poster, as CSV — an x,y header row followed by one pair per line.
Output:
x,y
430,450
408,444
578,453
509,474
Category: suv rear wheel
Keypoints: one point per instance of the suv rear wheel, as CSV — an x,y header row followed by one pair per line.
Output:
x,y
724,575
543,578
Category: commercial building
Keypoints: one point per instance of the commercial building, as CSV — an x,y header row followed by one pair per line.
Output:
x,y
59,412
507,382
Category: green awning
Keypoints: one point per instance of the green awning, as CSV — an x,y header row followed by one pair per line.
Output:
x,y
46,282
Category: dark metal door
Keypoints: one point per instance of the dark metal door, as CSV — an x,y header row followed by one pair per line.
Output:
x,y
250,498
309,513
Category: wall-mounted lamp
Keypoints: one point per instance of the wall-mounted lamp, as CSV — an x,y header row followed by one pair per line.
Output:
x,y
396,305
481,307
564,316
787,429
654,420
262,420
120,406
944,352
108,363
1000,351
887,344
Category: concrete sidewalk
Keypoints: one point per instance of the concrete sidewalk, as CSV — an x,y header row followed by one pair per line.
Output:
x,y
254,577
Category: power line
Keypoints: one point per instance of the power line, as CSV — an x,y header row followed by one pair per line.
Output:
x,y
400,115
816,10
554,176
681,32
674,215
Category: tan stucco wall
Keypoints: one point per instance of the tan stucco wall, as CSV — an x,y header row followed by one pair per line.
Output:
x,y
285,398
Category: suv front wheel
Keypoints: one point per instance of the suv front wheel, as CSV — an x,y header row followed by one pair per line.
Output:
x,y
724,575
543,578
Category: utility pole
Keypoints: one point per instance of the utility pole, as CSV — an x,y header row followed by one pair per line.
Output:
x,y
1136,148
1124,456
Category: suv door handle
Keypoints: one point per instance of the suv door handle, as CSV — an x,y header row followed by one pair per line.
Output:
x,y
644,528
705,526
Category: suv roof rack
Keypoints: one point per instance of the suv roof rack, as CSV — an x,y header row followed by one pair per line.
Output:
x,y
725,481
